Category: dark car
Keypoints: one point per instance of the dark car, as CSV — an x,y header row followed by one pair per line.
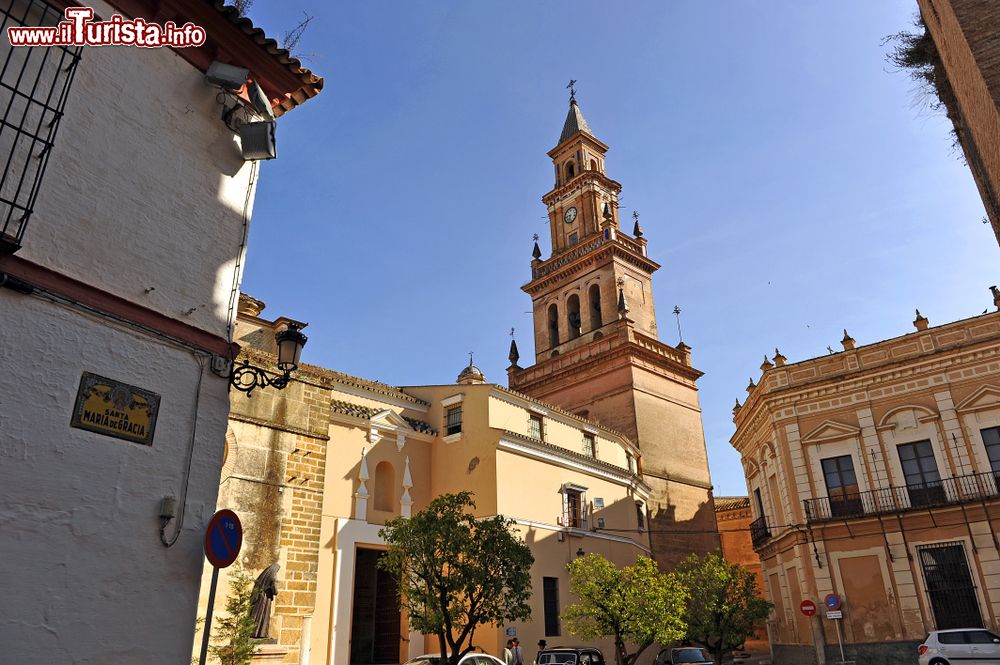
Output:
x,y
570,656
684,656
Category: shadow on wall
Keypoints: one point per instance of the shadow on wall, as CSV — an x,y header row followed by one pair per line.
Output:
x,y
674,540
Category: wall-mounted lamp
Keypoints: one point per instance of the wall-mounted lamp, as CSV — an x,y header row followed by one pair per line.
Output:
x,y
257,140
580,552
255,124
228,77
246,378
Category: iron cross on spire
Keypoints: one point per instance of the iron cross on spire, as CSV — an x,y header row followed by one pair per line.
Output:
x,y
677,313
635,216
572,90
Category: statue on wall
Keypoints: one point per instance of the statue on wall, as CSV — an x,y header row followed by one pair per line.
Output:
x,y
264,591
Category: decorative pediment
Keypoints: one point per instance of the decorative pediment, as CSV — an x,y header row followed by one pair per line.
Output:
x,y
987,397
388,419
750,467
906,417
831,430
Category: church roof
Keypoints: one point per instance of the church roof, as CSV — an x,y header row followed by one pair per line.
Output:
x,y
575,122
724,503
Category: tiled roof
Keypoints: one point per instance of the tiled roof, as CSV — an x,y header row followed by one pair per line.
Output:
x,y
724,503
311,83
366,412
317,372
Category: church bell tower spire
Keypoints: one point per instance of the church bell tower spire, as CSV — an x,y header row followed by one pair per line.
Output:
x,y
597,346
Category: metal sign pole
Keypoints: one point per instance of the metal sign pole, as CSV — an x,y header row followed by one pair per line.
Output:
x,y
840,642
208,617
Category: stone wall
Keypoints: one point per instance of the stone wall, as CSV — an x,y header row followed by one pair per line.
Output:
x,y
965,33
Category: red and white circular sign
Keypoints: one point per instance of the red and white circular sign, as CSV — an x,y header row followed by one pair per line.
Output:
x,y
808,608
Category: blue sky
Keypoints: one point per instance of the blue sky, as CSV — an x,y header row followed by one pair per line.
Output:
x,y
789,182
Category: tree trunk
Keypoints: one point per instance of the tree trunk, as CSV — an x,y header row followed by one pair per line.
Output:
x,y
620,651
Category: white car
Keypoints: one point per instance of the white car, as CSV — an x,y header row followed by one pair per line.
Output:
x,y
961,646
471,658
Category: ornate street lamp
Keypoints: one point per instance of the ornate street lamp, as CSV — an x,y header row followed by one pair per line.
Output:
x,y
290,341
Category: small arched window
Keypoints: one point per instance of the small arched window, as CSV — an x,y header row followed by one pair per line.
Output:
x,y
553,325
593,165
573,315
385,487
594,296
570,170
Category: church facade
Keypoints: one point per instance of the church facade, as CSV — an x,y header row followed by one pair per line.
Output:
x,y
595,448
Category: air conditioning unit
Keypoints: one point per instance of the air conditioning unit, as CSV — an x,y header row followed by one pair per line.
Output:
x,y
600,522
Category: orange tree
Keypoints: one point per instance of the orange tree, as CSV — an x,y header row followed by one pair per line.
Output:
x,y
723,606
457,572
635,604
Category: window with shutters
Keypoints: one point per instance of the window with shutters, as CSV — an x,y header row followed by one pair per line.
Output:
x,y
574,507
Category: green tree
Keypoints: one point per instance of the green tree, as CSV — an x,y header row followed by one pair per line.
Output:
x,y
635,604
724,606
457,572
234,630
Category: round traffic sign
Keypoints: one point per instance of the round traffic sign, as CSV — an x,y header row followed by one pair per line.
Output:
x,y
808,608
832,601
223,538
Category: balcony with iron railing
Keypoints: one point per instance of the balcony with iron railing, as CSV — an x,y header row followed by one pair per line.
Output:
x,y
975,487
759,531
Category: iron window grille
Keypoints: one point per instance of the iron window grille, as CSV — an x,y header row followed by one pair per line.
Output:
x,y
949,586
535,428
34,87
453,423
589,445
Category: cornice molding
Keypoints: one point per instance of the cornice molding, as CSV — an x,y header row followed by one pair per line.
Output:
x,y
571,262
547,452
577,182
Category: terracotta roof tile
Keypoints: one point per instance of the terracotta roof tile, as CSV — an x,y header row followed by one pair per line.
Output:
x,y
311,83
724,503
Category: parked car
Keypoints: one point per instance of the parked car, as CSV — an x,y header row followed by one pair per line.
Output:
x,y
684,656
571,656
468,659
961,646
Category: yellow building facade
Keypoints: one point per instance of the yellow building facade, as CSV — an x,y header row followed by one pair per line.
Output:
x,y
873,475
595,448
316,469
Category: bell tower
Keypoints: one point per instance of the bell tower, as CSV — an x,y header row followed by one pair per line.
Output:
x,y
597,348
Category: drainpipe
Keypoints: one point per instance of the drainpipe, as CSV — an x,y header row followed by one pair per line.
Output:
x,y
304,641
